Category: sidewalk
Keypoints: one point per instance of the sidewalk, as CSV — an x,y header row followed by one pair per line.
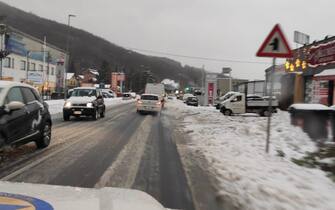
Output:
x,y
246,176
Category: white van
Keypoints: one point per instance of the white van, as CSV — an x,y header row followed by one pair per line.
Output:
x,y
155,88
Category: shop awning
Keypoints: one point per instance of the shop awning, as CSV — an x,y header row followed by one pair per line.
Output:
x,y
327,72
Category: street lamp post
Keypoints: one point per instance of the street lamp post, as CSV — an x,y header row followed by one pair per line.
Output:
x,y
67,53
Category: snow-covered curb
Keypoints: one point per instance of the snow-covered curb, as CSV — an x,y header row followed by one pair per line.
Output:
x,y
56,106
247,177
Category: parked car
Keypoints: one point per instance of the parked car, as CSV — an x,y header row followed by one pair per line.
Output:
x,y
84,101
187,95
126,96
133,95
109,92
149,103
106,94
192,101
238,104
24,116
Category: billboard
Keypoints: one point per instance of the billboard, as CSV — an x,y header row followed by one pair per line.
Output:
x,y
117,79
36,77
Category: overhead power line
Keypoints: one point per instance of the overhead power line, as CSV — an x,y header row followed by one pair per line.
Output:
x,y
198,57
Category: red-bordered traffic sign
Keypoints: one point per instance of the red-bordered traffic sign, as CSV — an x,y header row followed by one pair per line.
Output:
x,y
275,45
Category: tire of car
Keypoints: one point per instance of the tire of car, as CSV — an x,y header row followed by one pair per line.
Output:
x,y
227,112
45,138
2,141
66,117
102,114
95,115
265,113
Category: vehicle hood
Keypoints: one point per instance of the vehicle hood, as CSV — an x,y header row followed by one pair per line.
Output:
x,y
78,100
60,197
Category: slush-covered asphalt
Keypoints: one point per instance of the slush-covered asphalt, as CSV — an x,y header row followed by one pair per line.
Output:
x,y
124,149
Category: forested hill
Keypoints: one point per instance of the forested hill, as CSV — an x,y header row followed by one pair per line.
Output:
x,y
88,50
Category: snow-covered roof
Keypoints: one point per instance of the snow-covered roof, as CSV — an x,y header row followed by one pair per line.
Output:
x,y
327,72
309,107
69,75
94,71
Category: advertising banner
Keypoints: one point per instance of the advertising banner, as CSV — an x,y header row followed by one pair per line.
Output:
x,y
210,93
35,77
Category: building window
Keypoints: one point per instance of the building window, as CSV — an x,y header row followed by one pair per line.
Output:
x,y
40,67
22,65
32,66
52,70
48,71
6,62
13,66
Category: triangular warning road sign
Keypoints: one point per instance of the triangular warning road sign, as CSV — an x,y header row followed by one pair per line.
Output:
x,y
275,45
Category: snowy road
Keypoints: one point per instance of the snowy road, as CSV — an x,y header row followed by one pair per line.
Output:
x,y
123,149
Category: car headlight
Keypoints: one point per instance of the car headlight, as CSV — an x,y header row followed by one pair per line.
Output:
x,y
67,104
90,105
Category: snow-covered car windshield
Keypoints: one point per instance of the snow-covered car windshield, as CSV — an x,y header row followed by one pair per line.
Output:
x,y
83,92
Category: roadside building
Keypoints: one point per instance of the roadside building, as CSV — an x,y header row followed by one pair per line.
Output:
x,y
90,77
33,61
311,73
72,80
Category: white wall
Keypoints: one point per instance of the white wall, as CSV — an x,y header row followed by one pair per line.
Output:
x,y
18,75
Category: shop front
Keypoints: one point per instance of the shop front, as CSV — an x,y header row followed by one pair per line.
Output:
x,y
312,68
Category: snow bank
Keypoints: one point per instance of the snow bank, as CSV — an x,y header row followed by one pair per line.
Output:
x,y
56,106
248,177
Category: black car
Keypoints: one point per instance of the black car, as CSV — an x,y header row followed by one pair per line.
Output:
x,y
24,117
192,101
84,101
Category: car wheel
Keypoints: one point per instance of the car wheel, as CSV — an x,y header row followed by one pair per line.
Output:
x,y
45,138
66,117
227,112
266,113
95,115
2,141
102,114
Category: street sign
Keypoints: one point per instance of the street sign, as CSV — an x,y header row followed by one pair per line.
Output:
x,y
275,45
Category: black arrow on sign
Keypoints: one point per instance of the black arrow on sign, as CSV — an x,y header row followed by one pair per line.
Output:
x,y
275,44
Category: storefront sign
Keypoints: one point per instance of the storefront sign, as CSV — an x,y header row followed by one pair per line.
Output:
x,y
36,77
210,93
322,54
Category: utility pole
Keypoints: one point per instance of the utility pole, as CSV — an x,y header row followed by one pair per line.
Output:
x,y
3,29
27,65
67,62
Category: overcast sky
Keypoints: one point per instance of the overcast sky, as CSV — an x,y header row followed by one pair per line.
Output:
x,y
223,29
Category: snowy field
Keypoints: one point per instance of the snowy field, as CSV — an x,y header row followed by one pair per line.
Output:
x,y
56,106
248,177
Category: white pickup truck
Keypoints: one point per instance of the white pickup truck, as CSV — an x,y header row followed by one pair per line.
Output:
x,y
237,103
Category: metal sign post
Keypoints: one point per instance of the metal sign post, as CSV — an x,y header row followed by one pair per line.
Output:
x,y
268,130
274,46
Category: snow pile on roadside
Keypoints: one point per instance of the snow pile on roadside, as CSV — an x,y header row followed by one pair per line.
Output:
x,y
117,101
56,106
248,178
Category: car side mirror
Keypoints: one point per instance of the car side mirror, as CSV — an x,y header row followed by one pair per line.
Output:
x,y
14,105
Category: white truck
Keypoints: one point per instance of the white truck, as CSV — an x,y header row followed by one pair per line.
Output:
x,y
237,103
155,88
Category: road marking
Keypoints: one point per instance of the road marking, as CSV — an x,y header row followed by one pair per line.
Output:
x,y
124,169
